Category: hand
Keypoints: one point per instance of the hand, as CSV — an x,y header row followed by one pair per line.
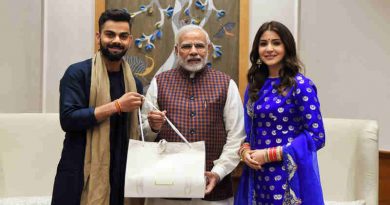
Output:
x,y
130,101
211,181
156,119
249,161
258,156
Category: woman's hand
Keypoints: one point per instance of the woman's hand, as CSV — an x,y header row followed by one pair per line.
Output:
x,y
247,159
259,156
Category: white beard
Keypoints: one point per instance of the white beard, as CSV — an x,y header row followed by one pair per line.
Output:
x,y
192,67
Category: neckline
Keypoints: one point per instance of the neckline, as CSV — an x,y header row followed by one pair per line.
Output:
x,y
273,78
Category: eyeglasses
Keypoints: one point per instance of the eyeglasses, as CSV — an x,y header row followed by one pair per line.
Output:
x,y
188,46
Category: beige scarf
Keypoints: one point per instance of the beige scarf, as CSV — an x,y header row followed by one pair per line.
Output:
x,y
96,190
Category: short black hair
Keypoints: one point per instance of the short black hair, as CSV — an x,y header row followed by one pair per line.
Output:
x,y
114,15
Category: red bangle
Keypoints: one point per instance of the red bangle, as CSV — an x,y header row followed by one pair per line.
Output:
x,y
243,147
272,154
246,145
269,153
275,154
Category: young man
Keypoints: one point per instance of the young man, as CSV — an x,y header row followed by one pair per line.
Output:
x,y
98,112
205,105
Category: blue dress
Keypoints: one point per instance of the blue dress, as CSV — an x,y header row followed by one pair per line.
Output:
x,y
294,122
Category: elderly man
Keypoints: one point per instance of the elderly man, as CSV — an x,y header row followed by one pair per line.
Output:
x,y
205,105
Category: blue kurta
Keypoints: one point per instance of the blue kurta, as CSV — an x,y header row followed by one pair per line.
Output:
x,y
76,117
293,121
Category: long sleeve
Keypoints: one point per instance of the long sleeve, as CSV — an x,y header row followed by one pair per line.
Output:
x,y
151,96
309,108
300,155
75,113
233,115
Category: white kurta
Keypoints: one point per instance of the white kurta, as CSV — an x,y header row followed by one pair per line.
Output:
x,y
233,116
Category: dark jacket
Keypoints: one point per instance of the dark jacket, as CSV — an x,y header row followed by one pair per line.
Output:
x,y
76,118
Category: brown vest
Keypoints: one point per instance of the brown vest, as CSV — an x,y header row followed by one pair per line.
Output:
x,y
195,106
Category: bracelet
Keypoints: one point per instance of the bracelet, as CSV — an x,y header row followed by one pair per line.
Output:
x,y
242,154
266,158
269,151
244,146
280,153
243,149
273,154
118,107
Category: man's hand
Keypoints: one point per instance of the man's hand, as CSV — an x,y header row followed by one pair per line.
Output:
x,y
211,181
156,119
130,101
127,103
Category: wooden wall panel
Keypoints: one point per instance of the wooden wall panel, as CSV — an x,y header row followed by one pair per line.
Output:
x,y
235,46
100,6
384,177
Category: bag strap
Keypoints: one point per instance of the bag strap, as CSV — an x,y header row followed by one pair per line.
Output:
x,y
169,122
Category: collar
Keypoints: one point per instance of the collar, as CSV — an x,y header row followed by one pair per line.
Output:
x,y
192,75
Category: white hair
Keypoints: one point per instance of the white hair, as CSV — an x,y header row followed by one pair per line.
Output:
x,y
188,28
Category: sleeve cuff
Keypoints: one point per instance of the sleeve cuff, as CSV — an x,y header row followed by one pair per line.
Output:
x,y
93,118
149,133
220,171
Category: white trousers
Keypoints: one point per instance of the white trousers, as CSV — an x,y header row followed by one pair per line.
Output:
x,y
158,201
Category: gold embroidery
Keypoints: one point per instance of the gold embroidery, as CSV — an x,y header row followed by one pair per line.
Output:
x,y
289,197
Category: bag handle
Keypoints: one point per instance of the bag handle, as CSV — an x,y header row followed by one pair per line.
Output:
x,y
169,122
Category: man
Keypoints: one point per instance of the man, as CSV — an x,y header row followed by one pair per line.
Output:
x,y
205,105
98,112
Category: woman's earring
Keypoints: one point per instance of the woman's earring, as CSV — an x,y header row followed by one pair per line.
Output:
x,y
258,62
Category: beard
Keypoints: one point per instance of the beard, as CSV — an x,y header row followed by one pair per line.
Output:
x,y
183,62
112,56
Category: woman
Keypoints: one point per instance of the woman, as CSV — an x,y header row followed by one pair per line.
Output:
x,y
283,124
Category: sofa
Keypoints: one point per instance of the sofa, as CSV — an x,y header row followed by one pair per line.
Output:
x,y
349,162
30,149
31,144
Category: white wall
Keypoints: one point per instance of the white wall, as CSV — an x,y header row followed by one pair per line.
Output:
x,y
20,55
40,39
68,38
346,48
261,11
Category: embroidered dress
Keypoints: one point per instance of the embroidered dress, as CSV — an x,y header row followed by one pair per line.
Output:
x,y
293,121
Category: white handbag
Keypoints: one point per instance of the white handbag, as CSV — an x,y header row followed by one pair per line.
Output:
x,y
165,169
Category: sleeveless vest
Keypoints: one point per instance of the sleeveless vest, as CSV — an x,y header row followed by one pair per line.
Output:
x,y
195,106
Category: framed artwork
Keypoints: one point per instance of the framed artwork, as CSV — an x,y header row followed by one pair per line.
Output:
x,y
156,22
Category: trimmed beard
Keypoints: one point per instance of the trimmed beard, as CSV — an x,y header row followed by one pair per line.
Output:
x,y
112,56
192,68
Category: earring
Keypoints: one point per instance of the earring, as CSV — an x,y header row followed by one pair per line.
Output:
x,y
258,62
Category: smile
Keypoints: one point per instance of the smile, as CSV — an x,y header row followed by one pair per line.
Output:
x,y
269,57
115,49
